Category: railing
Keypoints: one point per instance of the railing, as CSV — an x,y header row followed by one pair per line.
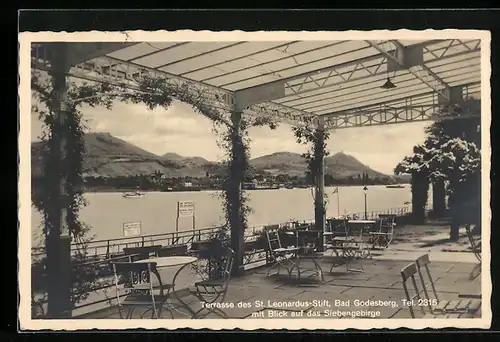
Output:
x,y
252,258
106,251
110,247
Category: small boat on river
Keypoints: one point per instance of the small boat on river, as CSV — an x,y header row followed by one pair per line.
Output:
x,y
136,194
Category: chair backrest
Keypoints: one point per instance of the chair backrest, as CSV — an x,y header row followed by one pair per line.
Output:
x,y
134,273
422,262
355,229
407,273
387,223
227,268
476,249
228,264
273,237
136,277
337,226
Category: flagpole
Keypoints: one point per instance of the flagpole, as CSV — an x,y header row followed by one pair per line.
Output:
x,y
338,202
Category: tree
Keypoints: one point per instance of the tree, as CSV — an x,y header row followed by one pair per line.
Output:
x,y
451,152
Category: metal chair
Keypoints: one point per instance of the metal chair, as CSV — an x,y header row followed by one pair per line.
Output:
x,y
279,254
136,278
337,231
383,237
350,247
409,272
449,307
422,262
475,246
213,291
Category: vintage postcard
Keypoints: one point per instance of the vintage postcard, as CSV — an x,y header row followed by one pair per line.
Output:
x,y
254,180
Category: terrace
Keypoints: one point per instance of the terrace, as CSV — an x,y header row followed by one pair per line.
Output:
x,y
454,269
381,281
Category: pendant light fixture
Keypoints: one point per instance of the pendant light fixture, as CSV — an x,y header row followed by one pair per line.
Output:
x,y
388,84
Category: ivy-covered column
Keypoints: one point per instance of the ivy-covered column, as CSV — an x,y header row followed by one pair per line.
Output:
x,y
319,198
58,243
236,216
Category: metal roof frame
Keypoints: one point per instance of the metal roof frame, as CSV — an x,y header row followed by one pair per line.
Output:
x,y
297,82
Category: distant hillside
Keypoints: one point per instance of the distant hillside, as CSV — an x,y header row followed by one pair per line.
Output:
x,y
280,162
342,165
194,161
339,165
111,157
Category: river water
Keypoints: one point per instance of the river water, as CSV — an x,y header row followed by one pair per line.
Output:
x,y
157,211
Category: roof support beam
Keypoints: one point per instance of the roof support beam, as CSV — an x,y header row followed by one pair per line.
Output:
x,y
77,52
386,116
412,59
408,109
127,75
328,79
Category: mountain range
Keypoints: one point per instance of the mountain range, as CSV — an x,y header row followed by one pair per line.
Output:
x,y
110,156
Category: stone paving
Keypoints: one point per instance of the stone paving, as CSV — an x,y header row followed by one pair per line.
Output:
x,y
256,294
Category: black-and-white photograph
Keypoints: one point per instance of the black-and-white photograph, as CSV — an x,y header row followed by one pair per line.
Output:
x,y
191,176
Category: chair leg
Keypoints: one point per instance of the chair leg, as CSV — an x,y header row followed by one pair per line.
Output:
x,y
130,312
319,271
120,311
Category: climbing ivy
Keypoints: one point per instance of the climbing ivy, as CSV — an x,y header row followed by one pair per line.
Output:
x,y
45,193
315,139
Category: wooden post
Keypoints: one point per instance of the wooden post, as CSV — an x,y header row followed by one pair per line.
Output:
x,y
59,240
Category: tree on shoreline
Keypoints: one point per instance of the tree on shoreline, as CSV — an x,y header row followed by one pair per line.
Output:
x,y
450,153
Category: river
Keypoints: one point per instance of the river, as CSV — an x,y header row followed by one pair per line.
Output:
x,y
106,212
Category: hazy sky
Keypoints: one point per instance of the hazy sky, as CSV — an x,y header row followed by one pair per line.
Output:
x,y
184,132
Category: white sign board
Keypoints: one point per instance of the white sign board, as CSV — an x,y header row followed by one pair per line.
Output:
x,y
185,209
132,229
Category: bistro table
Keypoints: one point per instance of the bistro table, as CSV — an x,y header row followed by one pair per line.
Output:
x,y
172,261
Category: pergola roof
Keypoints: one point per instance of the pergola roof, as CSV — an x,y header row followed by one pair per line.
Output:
x,y
296,81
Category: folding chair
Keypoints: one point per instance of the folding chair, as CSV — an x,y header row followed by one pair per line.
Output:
x,y
348,248
337,232
280,255
213,291
422,262
409,272
453,307
137,282
475,246
383,237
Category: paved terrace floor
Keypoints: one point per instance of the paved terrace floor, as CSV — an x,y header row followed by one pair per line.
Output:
x,y
380,280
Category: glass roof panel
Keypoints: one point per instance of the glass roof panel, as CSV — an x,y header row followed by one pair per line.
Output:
x,y
179,52
225,55
141,49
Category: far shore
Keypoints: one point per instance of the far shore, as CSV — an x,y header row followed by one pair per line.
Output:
x,y
96,189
